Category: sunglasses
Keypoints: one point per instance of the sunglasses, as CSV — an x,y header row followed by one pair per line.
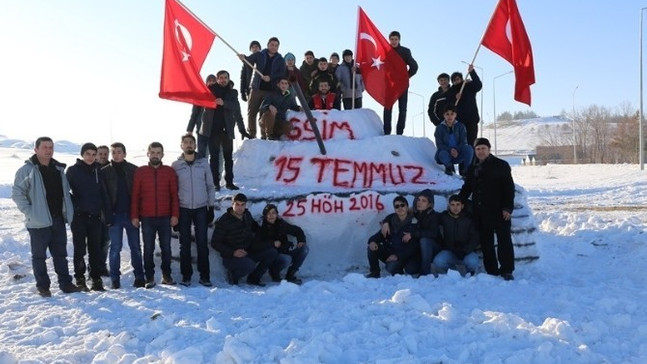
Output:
x,y
399,205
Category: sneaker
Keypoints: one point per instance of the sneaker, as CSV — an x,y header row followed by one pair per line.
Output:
x,y
507,276
373,275
80,282
167,279
186,282
205,282
97,285
44,292
294,279
231,279
255,282
449,170
70,288
115,284
231,186
150,283
139,283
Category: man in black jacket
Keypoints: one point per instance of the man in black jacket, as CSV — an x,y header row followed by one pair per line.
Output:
x,y
489,182
467,110
438,100
460,239
405,53
235,237
427,231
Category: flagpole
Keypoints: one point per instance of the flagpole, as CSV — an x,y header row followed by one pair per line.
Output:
x,y
219,37
355,55
477,50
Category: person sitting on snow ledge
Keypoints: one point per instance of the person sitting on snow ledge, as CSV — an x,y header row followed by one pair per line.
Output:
x,y
394,244
460,240
324,99
451,143
273,120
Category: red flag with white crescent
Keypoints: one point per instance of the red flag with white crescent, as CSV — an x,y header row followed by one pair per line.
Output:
x,y
187,42
383,70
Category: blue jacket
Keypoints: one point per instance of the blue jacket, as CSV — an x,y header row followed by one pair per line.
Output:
x,y
86,187
393,241
28,192
282,102
278,68
447,138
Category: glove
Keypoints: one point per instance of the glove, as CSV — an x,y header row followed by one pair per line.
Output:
x,y
243,95
210,215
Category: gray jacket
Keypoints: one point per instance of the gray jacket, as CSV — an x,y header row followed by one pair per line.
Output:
x,y
195,183
345,77
28,192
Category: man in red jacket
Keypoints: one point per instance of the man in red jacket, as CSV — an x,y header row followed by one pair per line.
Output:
x,y
155,204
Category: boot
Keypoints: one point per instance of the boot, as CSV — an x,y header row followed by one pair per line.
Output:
x,y
80,282
97,284
291,276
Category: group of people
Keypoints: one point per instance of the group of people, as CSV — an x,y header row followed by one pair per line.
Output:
x,y
101,200
420,241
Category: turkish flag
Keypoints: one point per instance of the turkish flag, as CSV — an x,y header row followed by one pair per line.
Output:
x,y
384,71
507,37
187,42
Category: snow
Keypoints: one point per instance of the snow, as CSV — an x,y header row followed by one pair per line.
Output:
x,y
582,301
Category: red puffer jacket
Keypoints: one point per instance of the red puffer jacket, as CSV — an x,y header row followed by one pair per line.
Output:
x,y
154,193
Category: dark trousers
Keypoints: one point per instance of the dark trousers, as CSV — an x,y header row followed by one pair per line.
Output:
x,y
472,132
203,145
500,261
215,142
348,103
105,249
86,237
402,115
121,222
411,265
160,227
253,265
197,218
53,238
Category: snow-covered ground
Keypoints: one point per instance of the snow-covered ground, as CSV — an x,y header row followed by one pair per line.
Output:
x,y
582,301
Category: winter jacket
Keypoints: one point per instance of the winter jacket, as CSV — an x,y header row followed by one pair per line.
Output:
x,y
332,102
111,179
29,194
282,101
231,233
231,108
86,187
278,68
405,53
269,233
306,74
436,108
195,183
427,225
393,241
459,233
491,186
448,138
332,80
467,111
344,74
154,193
195,121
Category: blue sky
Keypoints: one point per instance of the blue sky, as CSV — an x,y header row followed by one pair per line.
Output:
x,y
89,70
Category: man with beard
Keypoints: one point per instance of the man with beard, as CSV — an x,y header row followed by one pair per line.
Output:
x,y
218,126
155,205
197,196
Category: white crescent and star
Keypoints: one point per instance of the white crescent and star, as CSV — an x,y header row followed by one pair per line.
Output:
x,y
185,48
377,62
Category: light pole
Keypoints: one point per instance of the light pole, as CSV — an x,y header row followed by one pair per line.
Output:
x,y
573,120
422,101
640,116
494,106
481,109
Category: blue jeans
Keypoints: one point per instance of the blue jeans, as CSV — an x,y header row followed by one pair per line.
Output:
x,y
428,250
53,238
253,265
402,115
298,255
446,259
121,222
197,217
465,156
160,226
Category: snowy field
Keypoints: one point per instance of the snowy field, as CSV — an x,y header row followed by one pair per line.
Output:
x,y
582,301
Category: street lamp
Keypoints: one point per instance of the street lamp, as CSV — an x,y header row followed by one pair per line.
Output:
x,y
481,109
640,119
494,106
422,101
573,120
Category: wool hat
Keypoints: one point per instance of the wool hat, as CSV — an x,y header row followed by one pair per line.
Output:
x,y
347,52
254,43
482,141
289,56
88,146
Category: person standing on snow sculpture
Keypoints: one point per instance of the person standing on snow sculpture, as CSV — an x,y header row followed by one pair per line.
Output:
x,y
489,182
467,111
405,53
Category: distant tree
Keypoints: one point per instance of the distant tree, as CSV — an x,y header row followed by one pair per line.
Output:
x,y
624,141
520,115
506,115
594,133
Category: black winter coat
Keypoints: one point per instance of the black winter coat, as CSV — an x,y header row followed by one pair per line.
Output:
x,y
233,115
231,233
467,111
86,187
427,224
459,234
269,233
393,241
